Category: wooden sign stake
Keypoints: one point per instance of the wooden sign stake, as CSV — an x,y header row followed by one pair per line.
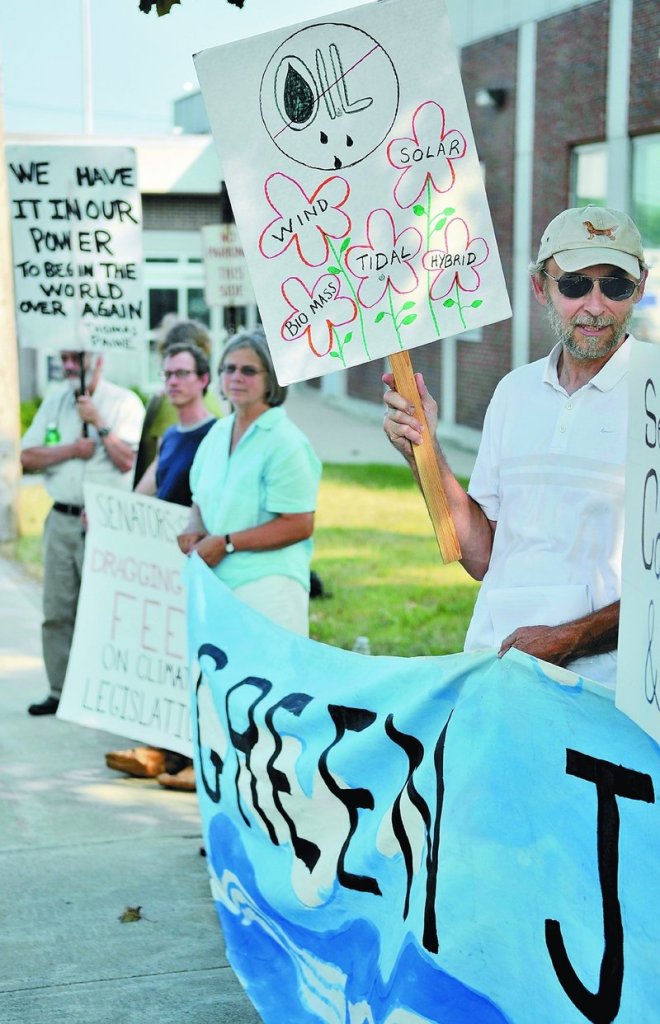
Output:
x,y
426,462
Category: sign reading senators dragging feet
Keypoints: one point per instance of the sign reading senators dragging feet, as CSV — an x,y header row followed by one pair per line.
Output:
x,y
350,162
128,668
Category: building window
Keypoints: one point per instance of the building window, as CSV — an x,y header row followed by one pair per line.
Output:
x,y
589,175
197,308
161,301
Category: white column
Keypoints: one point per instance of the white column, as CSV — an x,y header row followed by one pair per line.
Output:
x,y
618,89
523,191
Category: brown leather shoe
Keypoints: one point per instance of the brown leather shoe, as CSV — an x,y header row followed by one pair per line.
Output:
x,y
183,780
142,762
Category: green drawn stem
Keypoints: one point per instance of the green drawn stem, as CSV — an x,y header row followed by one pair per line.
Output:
x,y
393,315
460,307
428,247
340,347
347,278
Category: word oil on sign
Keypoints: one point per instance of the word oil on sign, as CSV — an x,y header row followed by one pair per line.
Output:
x,y
638,666
128,669
354,179
77,243
226,276
433,841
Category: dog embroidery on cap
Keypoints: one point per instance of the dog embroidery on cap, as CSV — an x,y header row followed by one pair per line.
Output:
x,y
594,231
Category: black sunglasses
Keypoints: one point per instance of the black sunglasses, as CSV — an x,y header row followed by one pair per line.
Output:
x,y
576,286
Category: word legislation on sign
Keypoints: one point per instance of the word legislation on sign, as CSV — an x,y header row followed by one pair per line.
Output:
x,y
638,666
77,241
425,840
128,669
353,175
226,276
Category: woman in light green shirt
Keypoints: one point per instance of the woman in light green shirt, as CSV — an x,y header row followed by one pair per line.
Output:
x,y
254,483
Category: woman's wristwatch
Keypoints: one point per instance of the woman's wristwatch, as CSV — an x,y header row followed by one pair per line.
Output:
x,y
229,547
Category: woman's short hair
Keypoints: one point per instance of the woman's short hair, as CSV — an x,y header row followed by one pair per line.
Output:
x,y
256,341
190,332
202,364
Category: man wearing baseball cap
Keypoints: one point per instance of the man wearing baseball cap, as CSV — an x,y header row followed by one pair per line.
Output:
x,y
542,521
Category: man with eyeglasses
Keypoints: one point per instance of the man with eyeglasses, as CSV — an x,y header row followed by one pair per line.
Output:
x,y
86,430
541,524
186,374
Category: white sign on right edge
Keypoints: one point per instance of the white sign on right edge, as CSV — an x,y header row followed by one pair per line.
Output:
x,y
638,674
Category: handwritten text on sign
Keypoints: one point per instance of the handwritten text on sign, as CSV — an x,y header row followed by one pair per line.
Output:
x,y
128,670
76,228
353,175
226,276
638,679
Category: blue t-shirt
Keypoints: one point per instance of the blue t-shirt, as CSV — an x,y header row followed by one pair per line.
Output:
x,y
175,457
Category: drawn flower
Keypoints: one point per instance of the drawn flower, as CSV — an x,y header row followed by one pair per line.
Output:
x,y
428,155
457,262
385,260
316,311
303,219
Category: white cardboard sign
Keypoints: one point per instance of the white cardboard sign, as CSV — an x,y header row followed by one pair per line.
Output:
x,y
77,243
349,159
226,276
638,681
128,668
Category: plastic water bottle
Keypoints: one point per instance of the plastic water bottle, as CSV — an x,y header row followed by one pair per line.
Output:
x,y
361,645
52,435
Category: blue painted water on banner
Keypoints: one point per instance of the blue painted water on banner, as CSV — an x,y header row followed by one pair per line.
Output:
x,y
403,841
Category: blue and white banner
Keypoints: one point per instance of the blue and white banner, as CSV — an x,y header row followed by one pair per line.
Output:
x,y
456,840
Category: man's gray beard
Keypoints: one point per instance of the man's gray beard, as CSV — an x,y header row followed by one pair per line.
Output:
x,y
590,348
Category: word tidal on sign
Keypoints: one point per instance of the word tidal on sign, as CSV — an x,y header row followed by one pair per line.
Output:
x,y
381,260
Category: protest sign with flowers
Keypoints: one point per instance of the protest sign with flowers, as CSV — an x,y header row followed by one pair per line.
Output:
x,y
349,158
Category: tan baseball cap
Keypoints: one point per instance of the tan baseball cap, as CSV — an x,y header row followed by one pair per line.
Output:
x,y
583,237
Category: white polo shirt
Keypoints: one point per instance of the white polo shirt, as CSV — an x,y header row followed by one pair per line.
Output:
x,y
120,409
550,471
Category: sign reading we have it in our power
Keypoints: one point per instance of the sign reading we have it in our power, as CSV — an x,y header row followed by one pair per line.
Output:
x,y
638,672
353,175
77,247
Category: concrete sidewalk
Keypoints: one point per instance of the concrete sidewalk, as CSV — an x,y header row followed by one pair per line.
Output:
x,y
78,845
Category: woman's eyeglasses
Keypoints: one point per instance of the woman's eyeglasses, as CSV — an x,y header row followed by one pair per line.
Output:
x,y
245,371
576,286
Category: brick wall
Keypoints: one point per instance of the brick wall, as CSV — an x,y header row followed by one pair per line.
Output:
x,y
644,68
490,63
364,381
571,84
